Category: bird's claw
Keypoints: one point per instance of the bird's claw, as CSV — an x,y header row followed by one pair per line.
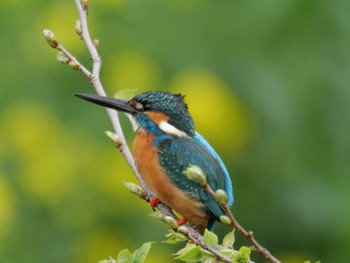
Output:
x,y
154,201
181,221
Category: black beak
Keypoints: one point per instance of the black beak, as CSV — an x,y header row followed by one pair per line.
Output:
x,y
116,104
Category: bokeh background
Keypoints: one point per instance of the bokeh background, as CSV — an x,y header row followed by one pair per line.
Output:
x,y
267,82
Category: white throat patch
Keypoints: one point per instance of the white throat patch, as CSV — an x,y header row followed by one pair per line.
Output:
x,y
135,125
170,129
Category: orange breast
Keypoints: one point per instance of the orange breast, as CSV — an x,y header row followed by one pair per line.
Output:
x,y
147,162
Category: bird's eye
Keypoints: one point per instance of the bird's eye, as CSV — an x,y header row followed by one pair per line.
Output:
x,y
147,106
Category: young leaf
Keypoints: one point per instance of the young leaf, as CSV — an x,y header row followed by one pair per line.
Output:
x,y
230,253
124,256
243,255
190,254
157,215
139,256
174,237
210,238
229,239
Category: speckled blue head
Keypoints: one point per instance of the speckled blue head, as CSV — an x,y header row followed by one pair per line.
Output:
x,y
171,105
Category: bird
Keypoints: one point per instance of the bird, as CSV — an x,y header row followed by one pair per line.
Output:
x,y
165,145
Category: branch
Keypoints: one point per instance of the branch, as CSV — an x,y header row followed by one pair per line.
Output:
x,y
67,58
190,232
195,173
95,81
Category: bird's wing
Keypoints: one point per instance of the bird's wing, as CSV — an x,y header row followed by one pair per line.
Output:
x,y
222,167
175,157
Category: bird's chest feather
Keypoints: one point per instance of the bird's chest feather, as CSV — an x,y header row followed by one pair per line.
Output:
x,y
147,162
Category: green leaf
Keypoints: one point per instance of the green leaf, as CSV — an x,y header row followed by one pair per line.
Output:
x,y
174,237
139,256
190,254
245,250
124,256
243,255
210,238
125,94
157,215
229,239
227,252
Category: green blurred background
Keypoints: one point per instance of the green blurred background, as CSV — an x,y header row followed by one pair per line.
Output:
x,y
267,83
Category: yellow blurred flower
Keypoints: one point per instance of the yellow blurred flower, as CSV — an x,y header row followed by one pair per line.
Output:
x,y
41,151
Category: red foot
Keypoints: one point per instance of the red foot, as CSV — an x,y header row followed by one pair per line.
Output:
x,y
154,201
181,221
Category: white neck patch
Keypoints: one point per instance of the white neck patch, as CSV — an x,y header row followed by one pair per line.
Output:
x,y
170,129
163,125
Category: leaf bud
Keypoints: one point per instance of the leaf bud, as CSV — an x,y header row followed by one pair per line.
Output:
x,y
96,43
61,57
133,188
78,28
225,220
171,221
183,230
85,5
195,173
74,65
221,197
50,38
115,138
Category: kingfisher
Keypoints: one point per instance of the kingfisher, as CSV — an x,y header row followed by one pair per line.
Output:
x,y
166,144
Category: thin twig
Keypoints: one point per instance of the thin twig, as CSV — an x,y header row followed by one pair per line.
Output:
x,y
192,234
95,81
72,58
247,234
